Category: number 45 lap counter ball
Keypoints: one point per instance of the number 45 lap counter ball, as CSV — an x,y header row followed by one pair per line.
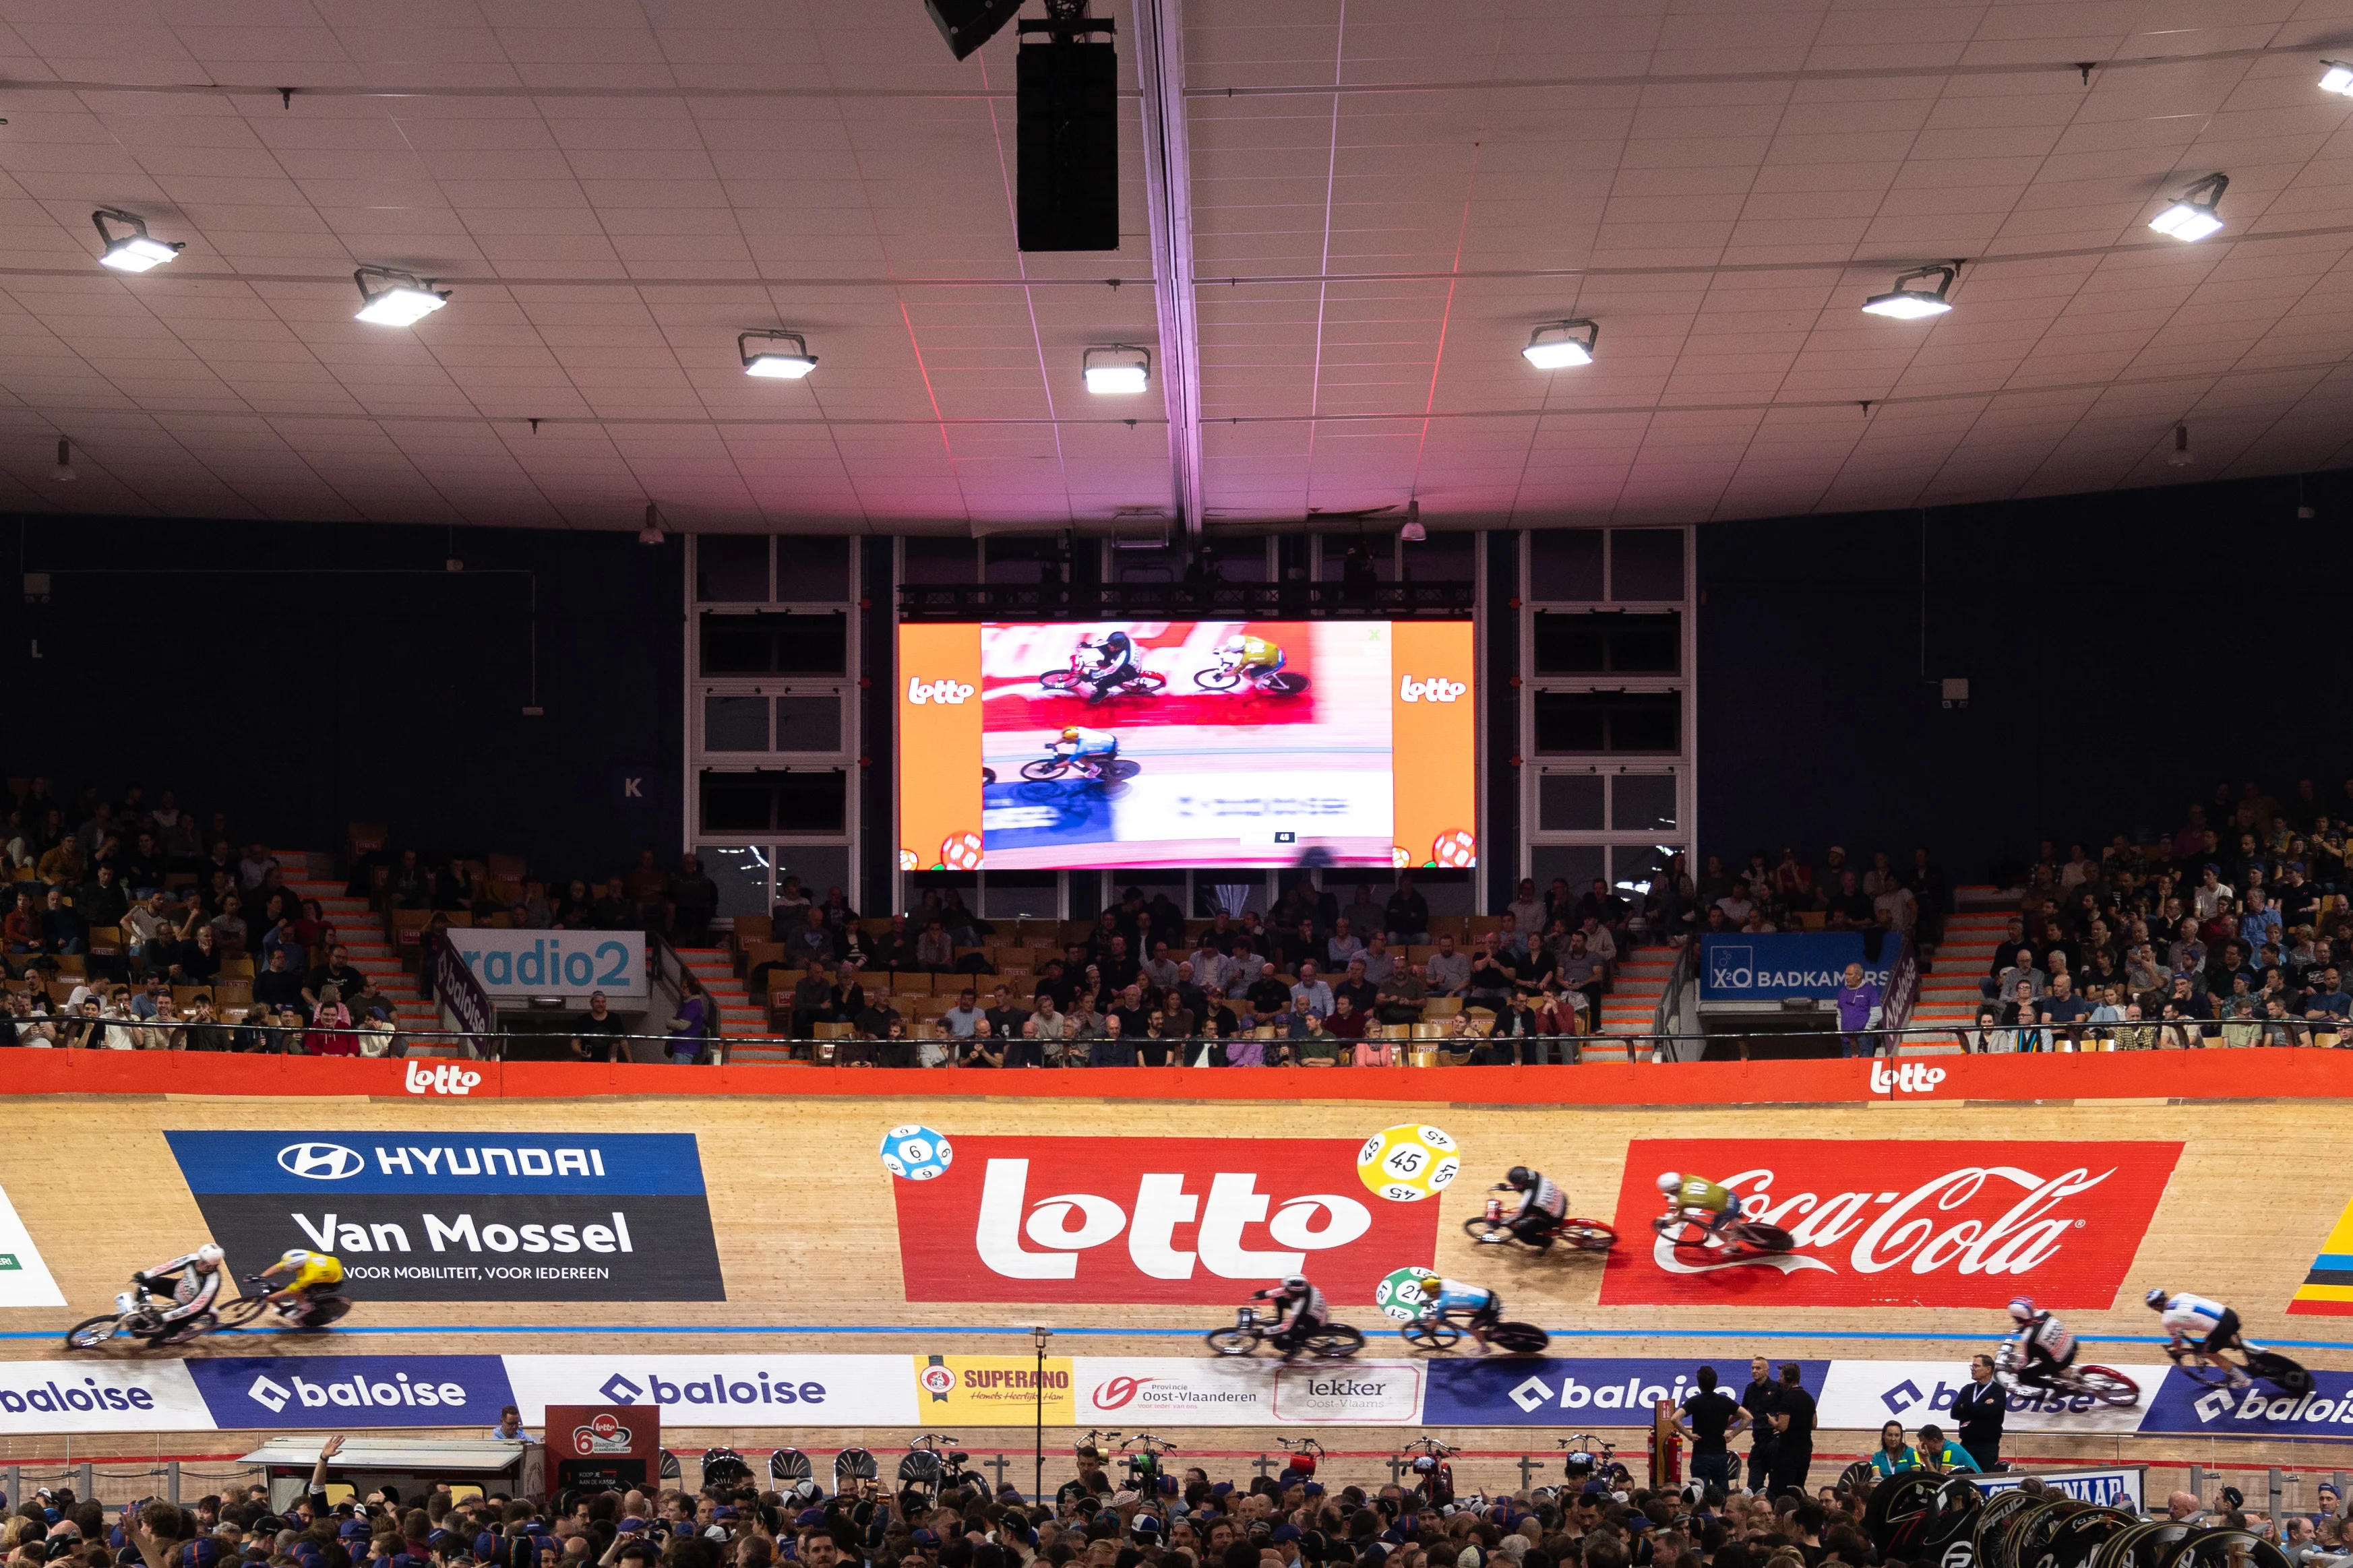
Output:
x,y
1410,1162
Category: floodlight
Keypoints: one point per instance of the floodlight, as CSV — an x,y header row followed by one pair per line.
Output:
x,y
1915,304
2192,215
1118,369
1557,344
777,363
404,299
132,252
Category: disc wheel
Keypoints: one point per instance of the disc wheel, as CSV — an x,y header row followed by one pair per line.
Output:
x,y
1335,1342
92,1333
1763,1238
2198,1368
1518,1339
243,1310
1283,683
1232,1341
1427,1334
2109,1385
1587,1234
2291,1376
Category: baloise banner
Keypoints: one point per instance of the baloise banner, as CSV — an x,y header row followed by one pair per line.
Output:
x,y
508,1217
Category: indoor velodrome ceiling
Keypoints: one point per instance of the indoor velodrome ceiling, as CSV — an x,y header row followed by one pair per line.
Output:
x,y
1386,199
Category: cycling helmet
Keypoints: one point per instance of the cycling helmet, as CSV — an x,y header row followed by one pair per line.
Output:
x,y
1670,1180
1427,1283
208,1255
1518,1176
1069,731
294,1257
2156,1300
1294,1282
2022,1309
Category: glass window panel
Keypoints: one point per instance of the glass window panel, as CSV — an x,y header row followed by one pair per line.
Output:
x,y
1564,565
820,867
810,723
736,801
742,873
1648,645
930,561
1633,868
731,568
735,723
811,802
1570,645
1646,563
735,644
812,570
1381,547
1020,895
1232,891
1576,863
1572,722
1569,803
1642,803
812,645
1443,558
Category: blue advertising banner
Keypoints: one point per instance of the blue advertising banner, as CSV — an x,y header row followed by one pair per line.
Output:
x,y
1563,1390
2183,1405
1774,967
345,1391
501,1217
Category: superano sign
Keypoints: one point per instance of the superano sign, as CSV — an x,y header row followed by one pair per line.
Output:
x,y
1898,1223
1123,1221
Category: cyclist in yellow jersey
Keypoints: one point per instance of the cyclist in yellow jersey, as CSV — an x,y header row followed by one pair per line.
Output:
x,y
310,1296
1255,657
1697,1198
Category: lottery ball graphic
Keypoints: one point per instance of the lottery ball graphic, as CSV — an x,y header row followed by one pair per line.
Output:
x,y
1401,1295
1454,848
915,1154
1408,1163
961,852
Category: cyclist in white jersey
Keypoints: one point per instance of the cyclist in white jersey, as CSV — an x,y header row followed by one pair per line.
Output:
x,y
2193,1322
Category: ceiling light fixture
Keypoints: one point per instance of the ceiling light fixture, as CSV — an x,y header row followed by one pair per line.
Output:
x,y
64,470
2191,215
404,299
1556,344
1915,304
132,252
652,531
775,364
1122,369
1413,532
2180,458
2337,78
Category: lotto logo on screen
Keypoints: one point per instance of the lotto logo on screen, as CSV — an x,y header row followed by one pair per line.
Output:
x,y
954,693
1437,688
1121,1221
1901,1223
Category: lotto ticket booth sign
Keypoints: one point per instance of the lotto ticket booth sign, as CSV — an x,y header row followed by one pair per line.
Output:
x,y
605,1448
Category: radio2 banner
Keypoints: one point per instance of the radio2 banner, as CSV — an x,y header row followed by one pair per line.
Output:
x,y
431,1217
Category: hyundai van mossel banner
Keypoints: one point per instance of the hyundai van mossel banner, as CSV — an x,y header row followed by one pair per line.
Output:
x,y
437,1216
1772,968
1895,1221
1137,1220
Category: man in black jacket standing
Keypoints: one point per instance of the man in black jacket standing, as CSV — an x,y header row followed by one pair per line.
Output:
x,y
1978,1410
1793,1445
1760,1398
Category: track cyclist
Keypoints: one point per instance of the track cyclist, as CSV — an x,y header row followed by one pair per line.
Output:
x,y
1095,751
2041,1349
1696,1198
308,1298
2193,1322
1254,657
193,1280
1474,1306
1299,1310
1110,664
1543,1206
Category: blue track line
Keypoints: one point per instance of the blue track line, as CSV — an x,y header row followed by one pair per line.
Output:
x,y
933,1331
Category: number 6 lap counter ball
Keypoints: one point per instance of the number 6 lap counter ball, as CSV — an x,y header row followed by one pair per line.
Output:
x,y
915,1154
1408,1163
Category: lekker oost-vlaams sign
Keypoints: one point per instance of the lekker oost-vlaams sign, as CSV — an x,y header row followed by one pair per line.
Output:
x,y
1897,1222
435,1217
1131,1221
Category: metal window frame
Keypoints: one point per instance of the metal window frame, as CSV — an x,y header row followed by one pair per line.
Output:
x,y
844,692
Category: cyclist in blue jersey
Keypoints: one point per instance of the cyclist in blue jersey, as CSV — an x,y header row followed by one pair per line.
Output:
x,y
1475,1307
1096,751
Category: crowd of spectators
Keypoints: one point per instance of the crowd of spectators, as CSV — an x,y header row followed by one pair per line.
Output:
x,y
1314,982
1093,1519
2231,930
1769,895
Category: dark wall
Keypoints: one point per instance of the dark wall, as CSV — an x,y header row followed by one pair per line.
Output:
x,y
2121,650
303,676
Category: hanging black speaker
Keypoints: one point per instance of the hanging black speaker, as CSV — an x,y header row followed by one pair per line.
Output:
x,y
1068,159
968,24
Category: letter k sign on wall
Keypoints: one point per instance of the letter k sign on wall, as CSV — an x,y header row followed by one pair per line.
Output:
x,y
632,788
24,1278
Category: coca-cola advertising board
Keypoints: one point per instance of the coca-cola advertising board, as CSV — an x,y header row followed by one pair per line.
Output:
x,y
1896,1221
1122,1221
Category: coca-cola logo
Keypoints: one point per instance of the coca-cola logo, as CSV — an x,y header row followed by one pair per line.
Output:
x,y
1898,1222
1117,1220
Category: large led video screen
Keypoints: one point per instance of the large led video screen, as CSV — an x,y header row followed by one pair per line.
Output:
x,y
1168,744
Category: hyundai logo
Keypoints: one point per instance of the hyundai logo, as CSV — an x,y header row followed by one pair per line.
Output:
x,y
321,1161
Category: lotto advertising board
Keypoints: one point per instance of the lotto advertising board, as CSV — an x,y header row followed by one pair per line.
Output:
x,y
431,1217
1215,743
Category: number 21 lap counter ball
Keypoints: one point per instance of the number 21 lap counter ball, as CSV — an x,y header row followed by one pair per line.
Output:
x,y
1408,1163
915,1154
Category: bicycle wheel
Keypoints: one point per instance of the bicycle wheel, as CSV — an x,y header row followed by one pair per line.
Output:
x,y
1283,683
1217,680
2276,1367
1232,1341
1587,1234
185,1330
1038,770
2196,1367
243,1310
92,1333
1519,1339
1426,1334
1058,679
1487,1232
1334,1342
1147,684
988,775
1763,1238
2109,1385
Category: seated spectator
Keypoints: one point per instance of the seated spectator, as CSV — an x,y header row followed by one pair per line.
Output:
x,y
980,1046
1401,998
1581,972
63,930
934,950
337,971
198,960
1270,999
896,948
275,984
961,1018
574,911
812,1000
1448,971
1850,908
229,931
331,1028
1343,946
1109,1046
64,866
1310,997
1349,1022
612,910
810,940
1161,970
1313,1046
1406,917
1490,983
